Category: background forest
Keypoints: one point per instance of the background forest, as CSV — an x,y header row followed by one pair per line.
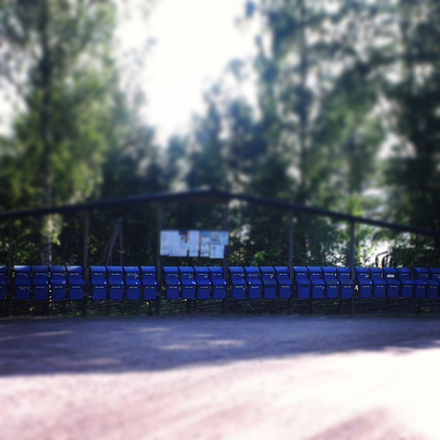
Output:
x,y
347,117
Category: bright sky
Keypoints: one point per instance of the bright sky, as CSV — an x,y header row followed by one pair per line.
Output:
x,y
194,40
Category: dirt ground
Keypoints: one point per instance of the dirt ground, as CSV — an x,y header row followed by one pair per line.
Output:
x,y
192,377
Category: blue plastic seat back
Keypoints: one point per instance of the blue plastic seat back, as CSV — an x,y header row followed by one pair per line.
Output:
x,y
132,282
99,282
219,283
237,274
420,288
332,285
40,275
364,282
186,273
149,282
362,273
379,283
318,284
270,285
390,273
300,273
347,284
393,283
40,282
22,275
238,282
171,275
115,275
255,286
75,281
204,284
376,273
421,273
435,273
57,275
58,282
314,272
201,273
302,282
432,285
22,283
115,282
148,275
172,282
4,282
284,282
403,273
98,275
329,273
131,276
188,282
268,274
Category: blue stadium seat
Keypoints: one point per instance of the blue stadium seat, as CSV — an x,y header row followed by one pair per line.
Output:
x,y
393,283
218,282
269,282
99,282
75,281
40,282
132,282
379,283
301,282
407,284
238,283
347,284
149,282
189,284
318,284
58,282
22,283
284,282
332,285
434,273
204,284
255,286
3,282
115,282
432,285
364,282
172,282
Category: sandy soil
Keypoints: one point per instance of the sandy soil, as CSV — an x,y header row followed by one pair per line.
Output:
x,y
190,377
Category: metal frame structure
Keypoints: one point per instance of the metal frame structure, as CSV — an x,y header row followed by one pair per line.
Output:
x,y
213,196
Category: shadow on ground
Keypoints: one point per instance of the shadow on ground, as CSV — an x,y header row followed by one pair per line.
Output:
x,y
112,345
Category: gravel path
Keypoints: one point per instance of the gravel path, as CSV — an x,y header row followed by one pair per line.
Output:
x,y
271,377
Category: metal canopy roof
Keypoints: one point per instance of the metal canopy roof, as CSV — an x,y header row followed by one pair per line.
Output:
x,y
215,197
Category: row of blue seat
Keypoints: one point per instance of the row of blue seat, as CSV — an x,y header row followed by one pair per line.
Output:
x,y
133,283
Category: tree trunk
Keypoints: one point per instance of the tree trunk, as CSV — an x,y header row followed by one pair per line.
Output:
x,y
45,71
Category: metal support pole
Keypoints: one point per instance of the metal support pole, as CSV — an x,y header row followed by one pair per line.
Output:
x,y
351,258
86,245
226,227
85,260
289,305
158,258
291,245
351,253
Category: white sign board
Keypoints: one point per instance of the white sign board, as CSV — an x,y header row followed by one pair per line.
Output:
x,y
209,244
